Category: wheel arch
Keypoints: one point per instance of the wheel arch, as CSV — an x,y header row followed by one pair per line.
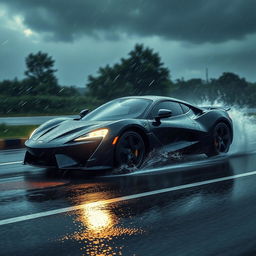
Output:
x,y
139,130
227,122
132,128
210,119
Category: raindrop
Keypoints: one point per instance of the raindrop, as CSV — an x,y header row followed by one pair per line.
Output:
x,y
62,89
151,82
116,77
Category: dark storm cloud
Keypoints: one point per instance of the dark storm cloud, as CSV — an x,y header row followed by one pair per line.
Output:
x,y
193,21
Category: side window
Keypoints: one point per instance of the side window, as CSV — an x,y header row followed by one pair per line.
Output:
x,y
184,108
170,105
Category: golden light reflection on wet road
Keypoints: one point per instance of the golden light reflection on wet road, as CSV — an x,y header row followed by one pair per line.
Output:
x,y
97,219
98,231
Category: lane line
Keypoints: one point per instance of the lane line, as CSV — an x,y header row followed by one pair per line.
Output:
x,y
10,163
119,199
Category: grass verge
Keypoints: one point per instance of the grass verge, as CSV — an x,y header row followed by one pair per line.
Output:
x,y
13,131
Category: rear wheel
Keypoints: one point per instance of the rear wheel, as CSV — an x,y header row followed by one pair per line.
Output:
x,y
130,150
221,140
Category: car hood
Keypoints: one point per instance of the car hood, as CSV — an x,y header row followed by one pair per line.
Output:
x,y
66,131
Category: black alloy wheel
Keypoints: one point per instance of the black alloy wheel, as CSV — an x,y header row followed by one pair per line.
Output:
x,y
221,140
130,150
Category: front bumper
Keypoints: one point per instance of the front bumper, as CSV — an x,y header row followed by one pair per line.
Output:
x,y
88,155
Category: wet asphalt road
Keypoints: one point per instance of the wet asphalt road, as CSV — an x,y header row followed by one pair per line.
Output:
x,y
148,212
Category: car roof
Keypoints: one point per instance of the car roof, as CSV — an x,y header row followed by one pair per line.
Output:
x,y
157,98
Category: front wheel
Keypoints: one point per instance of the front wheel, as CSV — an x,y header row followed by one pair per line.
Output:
x,y
221,140
130,150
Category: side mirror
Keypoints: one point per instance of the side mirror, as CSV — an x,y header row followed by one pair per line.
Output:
x,y
163,113
84,113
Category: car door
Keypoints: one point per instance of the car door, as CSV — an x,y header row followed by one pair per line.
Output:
x,y
176,132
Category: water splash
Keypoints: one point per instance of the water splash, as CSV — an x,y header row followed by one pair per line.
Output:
x,y
244,127
244,141
244,131
159,157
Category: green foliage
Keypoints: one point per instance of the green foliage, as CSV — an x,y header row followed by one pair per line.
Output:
x,y
19,131
28,105
40,79
39,93
229,88
139,74
40,73
13,88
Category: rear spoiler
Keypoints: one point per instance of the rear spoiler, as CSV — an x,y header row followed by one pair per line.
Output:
x,y
215,107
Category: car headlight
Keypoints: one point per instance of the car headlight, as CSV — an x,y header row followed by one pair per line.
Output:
x,y
32,133
94,134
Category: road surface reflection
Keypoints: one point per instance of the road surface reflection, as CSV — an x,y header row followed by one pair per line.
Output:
x,y
103,229
98,228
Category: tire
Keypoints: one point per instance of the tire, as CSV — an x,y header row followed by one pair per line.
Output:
x,y
220,141
130,150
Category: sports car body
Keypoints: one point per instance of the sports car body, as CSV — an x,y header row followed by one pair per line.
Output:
x,y
123,131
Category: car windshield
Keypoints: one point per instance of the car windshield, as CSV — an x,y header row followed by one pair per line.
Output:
x,y
119,109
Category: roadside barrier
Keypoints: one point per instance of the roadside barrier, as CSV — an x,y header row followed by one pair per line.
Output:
x,y
12,143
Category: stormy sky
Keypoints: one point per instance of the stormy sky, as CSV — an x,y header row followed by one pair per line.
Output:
x,y
82,35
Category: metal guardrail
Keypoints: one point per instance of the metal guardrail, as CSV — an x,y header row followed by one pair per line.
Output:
x,y
12,143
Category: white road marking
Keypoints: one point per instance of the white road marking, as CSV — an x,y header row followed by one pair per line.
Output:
x,y
120,199
10,163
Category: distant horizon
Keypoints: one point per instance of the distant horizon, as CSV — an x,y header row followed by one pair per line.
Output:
x,y
173,78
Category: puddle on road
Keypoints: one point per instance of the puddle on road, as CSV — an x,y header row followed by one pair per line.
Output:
x,y
98,231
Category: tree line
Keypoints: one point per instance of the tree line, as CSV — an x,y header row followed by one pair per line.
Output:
x,y
141,73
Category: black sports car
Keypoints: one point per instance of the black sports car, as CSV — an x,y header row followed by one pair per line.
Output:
x,y
123,131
